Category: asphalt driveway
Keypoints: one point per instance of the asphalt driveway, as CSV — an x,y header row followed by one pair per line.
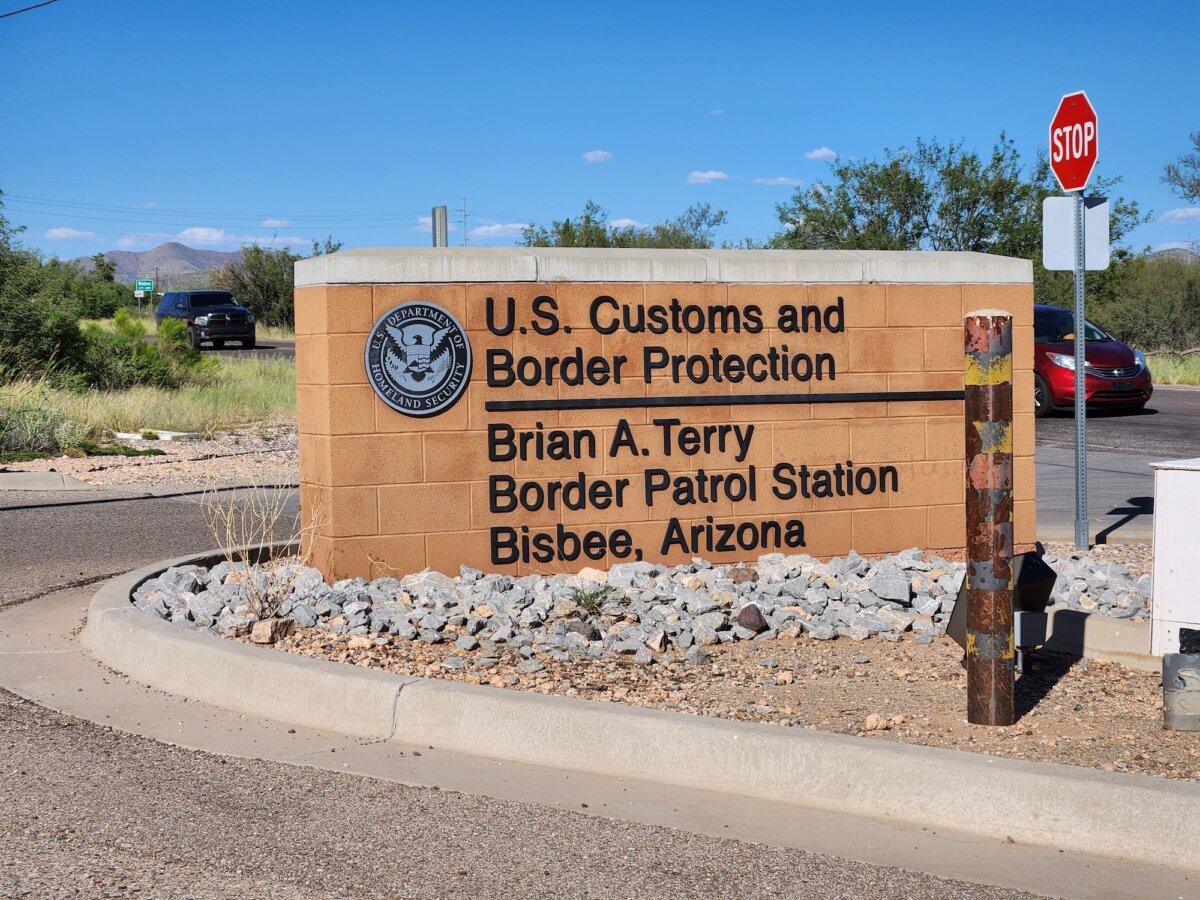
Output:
x,y
1121,447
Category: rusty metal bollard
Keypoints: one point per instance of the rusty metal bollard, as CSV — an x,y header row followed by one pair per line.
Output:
x,y
989,483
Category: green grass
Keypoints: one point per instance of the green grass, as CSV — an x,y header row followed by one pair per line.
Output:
x,y
1171,368
241,392
262,332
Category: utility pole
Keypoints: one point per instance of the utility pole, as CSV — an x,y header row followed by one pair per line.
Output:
x,y
466,239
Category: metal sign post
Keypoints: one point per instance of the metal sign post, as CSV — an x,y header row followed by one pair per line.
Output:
x,y
1081,512
141,287
1074,139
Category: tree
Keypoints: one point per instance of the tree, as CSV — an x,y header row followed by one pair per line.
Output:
x,y
932,197
104,268
1184,174
329,246
690,231
944,197
264,279
261,278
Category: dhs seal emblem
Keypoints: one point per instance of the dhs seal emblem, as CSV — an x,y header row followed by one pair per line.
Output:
x,y
418,359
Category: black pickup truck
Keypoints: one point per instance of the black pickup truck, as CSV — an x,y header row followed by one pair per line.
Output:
x,y
214,316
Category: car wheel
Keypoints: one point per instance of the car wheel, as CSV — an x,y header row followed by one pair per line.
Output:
x,y
195,338
248,343
1043,405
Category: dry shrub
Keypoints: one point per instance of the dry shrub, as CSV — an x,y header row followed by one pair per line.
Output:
x,y
257,514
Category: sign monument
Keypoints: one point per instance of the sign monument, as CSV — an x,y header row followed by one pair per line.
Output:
x,y
544,410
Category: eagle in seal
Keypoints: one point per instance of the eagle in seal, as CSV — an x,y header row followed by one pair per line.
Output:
x,y
422,357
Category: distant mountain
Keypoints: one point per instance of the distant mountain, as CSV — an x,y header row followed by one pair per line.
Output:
x,y
170,259
1183,253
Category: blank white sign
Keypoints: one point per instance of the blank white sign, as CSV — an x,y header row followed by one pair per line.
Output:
x,y
1058,233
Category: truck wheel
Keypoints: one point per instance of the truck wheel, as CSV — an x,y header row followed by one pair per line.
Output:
x,y
195,338
249,343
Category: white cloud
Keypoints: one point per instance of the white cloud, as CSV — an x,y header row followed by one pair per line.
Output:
x,y
716,112
499,230
597,156
204,234
140,241
64,233
821,153
1185,214
706,177
781,181
276,223
627,223
424,223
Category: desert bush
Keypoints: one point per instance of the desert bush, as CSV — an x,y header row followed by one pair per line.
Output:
x,y
30,424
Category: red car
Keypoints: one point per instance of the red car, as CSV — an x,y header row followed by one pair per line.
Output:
x,y
1116,376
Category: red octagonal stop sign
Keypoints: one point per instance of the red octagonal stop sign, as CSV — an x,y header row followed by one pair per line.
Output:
x,y
1074,141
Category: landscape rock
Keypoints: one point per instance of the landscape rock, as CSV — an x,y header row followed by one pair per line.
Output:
x,y
648,610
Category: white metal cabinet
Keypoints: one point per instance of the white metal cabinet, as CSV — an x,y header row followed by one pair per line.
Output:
x,y
1176,581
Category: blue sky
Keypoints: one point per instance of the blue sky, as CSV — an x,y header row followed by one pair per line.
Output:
x,y
128,123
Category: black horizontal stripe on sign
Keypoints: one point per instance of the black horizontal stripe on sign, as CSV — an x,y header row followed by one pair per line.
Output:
x,y
741,400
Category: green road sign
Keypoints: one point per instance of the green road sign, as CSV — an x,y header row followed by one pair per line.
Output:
x,y
144,284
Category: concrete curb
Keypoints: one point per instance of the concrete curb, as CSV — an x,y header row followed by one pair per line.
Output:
x,y
1073,809
1099,637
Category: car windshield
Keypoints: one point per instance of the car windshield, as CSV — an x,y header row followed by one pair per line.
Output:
x,y
216,298
1053,326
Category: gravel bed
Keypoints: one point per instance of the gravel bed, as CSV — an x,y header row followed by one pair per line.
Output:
x,y
641,610
851,645
1138,559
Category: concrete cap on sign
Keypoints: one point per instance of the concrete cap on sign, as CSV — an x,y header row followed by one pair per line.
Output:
x,y
403,265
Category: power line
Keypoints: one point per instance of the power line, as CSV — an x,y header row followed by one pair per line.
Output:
x,y
71,209
17,12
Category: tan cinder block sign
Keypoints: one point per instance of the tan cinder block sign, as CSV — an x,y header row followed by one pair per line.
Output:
x,y
544,410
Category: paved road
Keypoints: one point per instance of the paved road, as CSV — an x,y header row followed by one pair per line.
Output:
x,y
1120,450
95,812
264,349
1168,428
44,549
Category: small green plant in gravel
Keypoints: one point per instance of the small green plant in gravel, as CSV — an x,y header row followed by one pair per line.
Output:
x,y
591,600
